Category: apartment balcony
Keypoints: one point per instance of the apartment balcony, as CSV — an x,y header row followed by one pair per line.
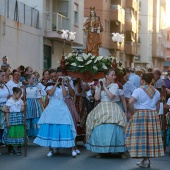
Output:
x,y
117,13
54,23
130,48
117,2
131,26
132,4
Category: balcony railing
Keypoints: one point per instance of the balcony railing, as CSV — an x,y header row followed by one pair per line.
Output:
x,y
117,13
130,48
56,22
131,26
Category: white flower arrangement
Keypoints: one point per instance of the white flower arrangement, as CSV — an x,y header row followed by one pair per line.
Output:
x,y
88,63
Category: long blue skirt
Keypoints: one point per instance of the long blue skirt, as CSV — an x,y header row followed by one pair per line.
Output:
x,y
107,138
55,136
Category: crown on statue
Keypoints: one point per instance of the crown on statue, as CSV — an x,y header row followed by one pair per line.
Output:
x,y
92,8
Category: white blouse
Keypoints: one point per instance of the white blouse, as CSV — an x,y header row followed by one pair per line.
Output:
x,y
57,93
42,89
113,88
4,93
14,106
144,101
33,92
11,84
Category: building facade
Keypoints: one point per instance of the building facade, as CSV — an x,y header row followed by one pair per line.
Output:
x,y
31,30
152,34
117,16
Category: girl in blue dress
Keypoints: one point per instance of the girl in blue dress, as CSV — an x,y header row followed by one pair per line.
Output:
x,y
34,101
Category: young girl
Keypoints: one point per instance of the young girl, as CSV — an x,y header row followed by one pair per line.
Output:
x,y
33,99
13,134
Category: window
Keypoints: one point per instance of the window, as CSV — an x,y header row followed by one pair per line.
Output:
x,y
75,14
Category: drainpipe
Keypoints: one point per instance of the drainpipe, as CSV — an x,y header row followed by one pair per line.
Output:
x,y
4,22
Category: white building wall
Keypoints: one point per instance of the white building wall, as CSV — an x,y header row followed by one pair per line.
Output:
x,y
22,44
145,31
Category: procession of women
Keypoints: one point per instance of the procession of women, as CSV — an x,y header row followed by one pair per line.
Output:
x,y
111,115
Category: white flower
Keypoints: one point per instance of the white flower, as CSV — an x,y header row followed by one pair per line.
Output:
x,y
67,63
103,66
99,58
69,55
93,57
73,64
96,60
79,59
85,56
89,54
88,62
80,66
95,67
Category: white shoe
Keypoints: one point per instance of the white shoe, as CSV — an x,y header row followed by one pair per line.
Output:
x,y
145,164
49,154
74,153
78,152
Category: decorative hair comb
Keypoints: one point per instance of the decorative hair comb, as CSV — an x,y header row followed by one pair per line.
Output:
x,y
92,8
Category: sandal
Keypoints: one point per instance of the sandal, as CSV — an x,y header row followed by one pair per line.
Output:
x,y
144,164
124,156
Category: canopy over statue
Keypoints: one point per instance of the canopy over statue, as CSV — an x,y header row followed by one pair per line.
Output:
x,y
92,28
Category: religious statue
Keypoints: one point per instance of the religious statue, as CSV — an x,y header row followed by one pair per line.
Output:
x,y
92,28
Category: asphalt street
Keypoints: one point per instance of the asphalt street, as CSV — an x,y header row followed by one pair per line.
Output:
x,y
37,160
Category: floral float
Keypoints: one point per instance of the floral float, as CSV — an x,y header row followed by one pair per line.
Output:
x,y
89,67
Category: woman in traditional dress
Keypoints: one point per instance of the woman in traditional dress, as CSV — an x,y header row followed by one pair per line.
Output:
x,y
105,123
143,133
4,94
56,124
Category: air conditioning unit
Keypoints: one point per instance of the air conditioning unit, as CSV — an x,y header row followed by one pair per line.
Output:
x,y
137,58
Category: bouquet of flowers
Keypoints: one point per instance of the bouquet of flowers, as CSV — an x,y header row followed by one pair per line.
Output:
x,y
87,63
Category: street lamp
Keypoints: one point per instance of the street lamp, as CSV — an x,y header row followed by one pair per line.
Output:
x,y
64,36
72,38
118,38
